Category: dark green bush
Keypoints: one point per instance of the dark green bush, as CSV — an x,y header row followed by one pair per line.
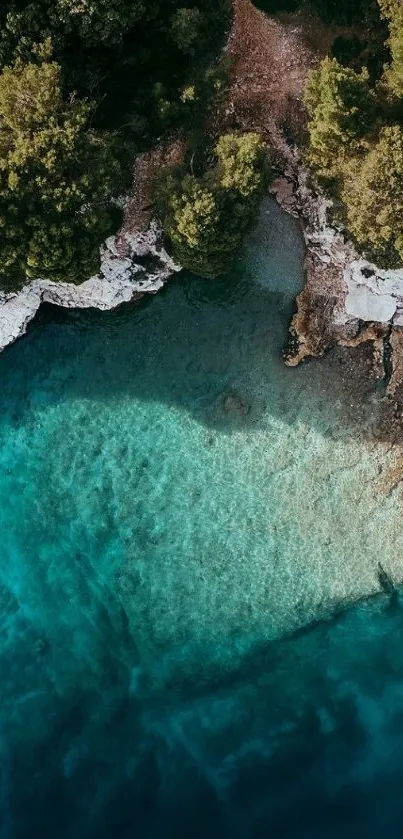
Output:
x,y
206,218
57,176
117,74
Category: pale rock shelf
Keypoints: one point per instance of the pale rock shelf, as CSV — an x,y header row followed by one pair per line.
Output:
x,y
131,265
346,299
372,294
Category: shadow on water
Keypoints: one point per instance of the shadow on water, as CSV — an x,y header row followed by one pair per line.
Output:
x,y
210,348
303,739
303,742
192,346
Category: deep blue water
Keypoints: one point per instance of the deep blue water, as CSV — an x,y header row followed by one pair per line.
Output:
x,y
193,641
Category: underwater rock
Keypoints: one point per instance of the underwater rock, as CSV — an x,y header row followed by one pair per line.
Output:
x,y
234,404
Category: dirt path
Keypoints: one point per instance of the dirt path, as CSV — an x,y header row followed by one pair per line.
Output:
x,y
138,213
270,59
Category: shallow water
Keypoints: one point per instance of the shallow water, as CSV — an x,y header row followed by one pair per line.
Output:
x,y
175,504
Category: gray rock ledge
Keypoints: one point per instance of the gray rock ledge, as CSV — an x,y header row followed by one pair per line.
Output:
x,y
346,300
367,293
131,265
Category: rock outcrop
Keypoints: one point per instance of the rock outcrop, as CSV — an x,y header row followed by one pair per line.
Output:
x,y
346,299
131,265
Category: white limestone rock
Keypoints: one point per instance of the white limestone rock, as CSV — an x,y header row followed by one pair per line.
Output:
x,y
363,304
371,293
131,264
398,318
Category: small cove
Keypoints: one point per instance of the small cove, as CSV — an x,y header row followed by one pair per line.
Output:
x,y
174,504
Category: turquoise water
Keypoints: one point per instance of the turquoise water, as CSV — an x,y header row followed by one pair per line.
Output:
x,y
176,508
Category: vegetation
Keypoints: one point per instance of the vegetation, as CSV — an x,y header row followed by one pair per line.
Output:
x,y
346,12
373,197
355,143
56,178
206,218
84,86
341,12
392,10
341,106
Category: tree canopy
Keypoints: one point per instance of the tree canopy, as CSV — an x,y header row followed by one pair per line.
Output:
x,y
100,21
355,143
56,177
128,55
373,196
340,104
84,86
392,11
206,218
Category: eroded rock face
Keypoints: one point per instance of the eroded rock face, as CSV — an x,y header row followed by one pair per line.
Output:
x,y
131,265
396,378
346,299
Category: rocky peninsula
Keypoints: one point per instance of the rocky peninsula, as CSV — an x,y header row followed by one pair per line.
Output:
x,y
346,299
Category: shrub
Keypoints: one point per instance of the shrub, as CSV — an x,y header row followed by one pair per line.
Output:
x,y
206,218
373,197
340,106
56,178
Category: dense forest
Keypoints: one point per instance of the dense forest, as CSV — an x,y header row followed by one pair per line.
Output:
x,y
86,85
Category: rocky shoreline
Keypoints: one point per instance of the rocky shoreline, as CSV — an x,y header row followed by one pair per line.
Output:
x,y
131,265
346,300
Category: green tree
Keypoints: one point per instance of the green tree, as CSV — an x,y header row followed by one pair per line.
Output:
x,y
392,10
56,178
101,21
344,12
95,21
185,28
241,163
340,107
191,220
373,197
206,219
133,57
147,67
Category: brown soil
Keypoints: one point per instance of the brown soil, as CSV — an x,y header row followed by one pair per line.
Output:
x,y
138,206
270,58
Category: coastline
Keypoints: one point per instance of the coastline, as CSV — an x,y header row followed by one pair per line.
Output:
x,y
131,265
346,300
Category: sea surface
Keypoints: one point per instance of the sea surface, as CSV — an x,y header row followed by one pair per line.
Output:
x,y
194,641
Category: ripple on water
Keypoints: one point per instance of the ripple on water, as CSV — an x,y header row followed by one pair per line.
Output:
x,y
252,515
173,498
